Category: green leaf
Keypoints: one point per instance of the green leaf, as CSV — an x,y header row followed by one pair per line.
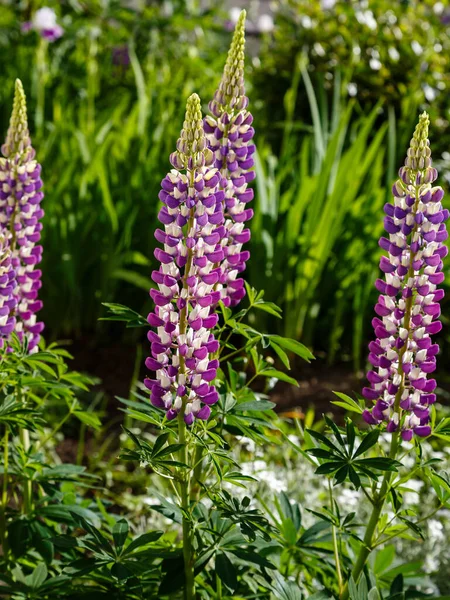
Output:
x,y
268,307
90,419
382,464
285,590
347,403
38,576
160,442
226,571
383,559
328,467
258,405
281,353
293,346
143,540
120,571
120,533
278,375
369,440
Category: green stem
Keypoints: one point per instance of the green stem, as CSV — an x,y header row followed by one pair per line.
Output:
x,y
189,589
197,473
27,484
335,543
368,546
188,554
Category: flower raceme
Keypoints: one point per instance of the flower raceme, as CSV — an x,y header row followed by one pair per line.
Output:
x,y
229,132
403,354
193,230
20,214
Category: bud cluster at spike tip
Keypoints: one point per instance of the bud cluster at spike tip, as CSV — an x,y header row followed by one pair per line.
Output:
x,y
403,354
20,214
229,132
185,297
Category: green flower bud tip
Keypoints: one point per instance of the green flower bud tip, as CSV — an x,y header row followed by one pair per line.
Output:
x,y
18,137
419,153
418,170
192,148
231,87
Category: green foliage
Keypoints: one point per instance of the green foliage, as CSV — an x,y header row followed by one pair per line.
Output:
x,y
314,223
341,458
376,48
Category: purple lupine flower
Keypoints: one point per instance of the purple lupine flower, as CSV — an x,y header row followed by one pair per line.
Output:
x,y
403,354
8,285
193,229
20,214
44,22
229,132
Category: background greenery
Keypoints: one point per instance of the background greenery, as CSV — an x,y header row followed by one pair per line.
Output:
x,y
335,89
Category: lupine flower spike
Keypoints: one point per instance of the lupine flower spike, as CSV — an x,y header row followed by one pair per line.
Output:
x,y
229,132
408,310
20,214
192,234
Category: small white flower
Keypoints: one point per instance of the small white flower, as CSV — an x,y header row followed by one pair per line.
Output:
x,y
265,23
44,18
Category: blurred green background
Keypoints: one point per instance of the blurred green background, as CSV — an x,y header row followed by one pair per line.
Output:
x,y
335,88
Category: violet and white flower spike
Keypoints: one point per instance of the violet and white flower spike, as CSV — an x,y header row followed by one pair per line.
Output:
x,y
403,355
20,215
229,132
191,239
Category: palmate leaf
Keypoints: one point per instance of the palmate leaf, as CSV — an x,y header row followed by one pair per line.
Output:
x,y
343,461
17,413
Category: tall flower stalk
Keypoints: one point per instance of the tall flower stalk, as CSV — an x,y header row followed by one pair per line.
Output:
x,y
229,132
192,219
20,227
403,355
20,215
